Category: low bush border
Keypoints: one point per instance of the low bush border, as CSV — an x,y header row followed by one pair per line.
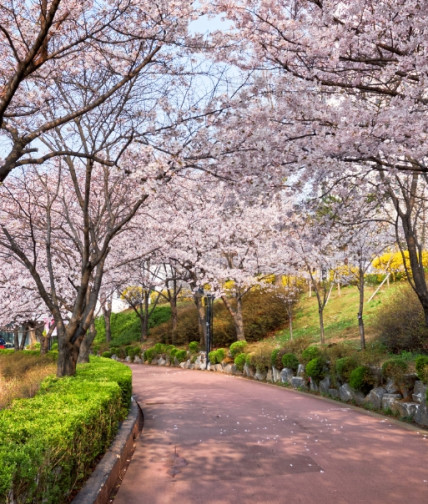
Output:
x,y
50,443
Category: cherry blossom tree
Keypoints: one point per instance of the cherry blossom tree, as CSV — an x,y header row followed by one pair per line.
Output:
x,y
59,225
63,59
223,241
362,244
347,86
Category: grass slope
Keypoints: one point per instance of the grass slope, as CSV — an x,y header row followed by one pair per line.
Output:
x,y
340,315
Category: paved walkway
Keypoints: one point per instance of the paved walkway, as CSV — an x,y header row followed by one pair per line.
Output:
x,y
215,439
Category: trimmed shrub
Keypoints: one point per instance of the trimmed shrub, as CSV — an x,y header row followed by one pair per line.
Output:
x,y
50,443
421,363
237,347
194,346
106,355
310,353
212,357
276,358
221,355
181,355
240,361
133,352
149,354
290,361
344,368
315,368
361,379
394,368
159,348
217,356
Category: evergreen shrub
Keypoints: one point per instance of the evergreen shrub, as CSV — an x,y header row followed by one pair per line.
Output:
x,y
344,367
276,358
315,368
240,361
49,443
361,379
149,354
159,348
395,368
237,347
212,357
194,346
421,363
310,353
217,356
181,355
290,361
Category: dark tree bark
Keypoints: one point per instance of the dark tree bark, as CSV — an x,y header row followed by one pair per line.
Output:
x,y
85,347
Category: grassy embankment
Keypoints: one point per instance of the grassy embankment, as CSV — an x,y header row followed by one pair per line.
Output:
x,y
340,315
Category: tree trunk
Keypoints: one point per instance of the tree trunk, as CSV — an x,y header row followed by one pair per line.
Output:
x,y
67,357
239,321
44,339
23,338
85,347
197,298
32,335
45,343
236,315
290,319
174,319
146,314
321,316
107,319
16,339
360,309
418,273
143,336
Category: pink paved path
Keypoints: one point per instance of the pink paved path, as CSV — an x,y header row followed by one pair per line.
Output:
x,y
215,439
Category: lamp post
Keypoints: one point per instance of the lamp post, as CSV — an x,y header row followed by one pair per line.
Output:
x,y
208,325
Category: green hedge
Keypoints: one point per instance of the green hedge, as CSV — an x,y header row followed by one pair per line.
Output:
x,y
50,442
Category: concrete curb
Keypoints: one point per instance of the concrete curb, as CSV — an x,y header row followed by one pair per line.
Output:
x,y
99,486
